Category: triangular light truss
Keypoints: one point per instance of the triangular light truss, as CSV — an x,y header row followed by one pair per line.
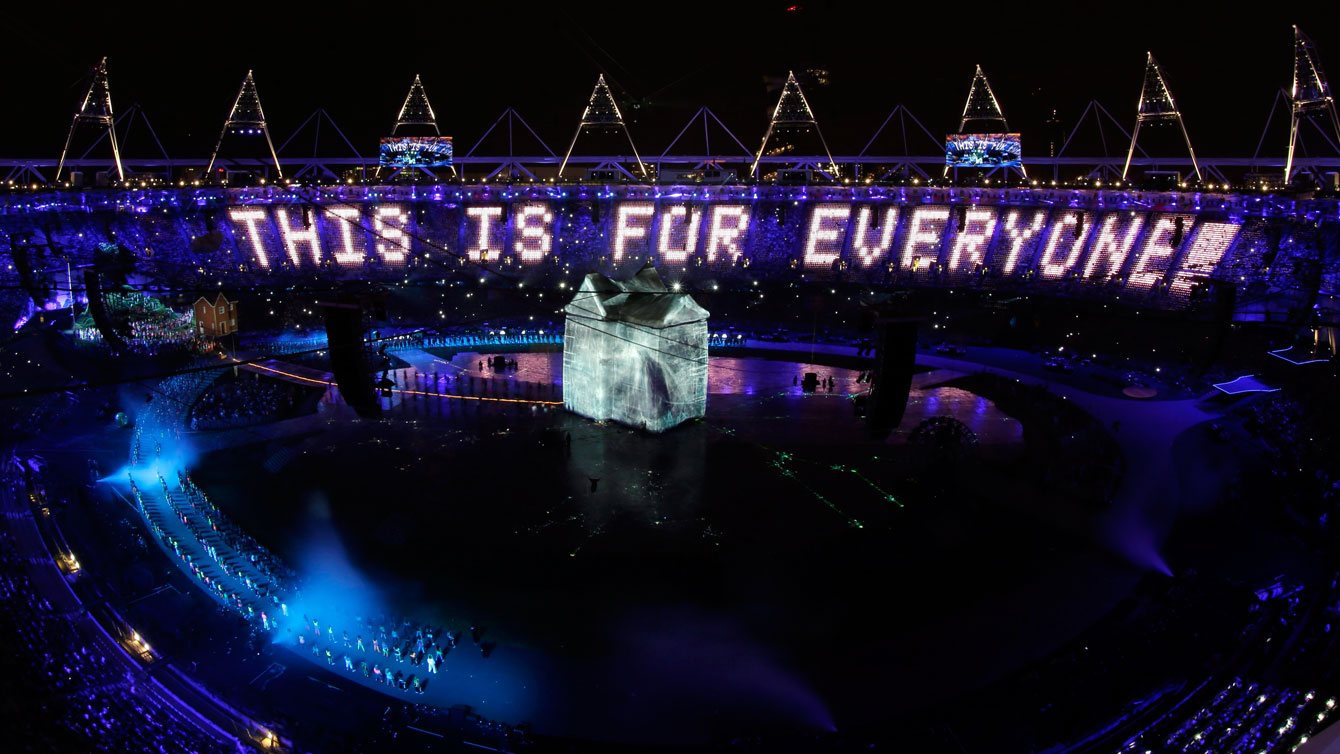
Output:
x,y
246,117
982,108
416,111
1156,106
982,103
96,109
1310,96
601,112
792,111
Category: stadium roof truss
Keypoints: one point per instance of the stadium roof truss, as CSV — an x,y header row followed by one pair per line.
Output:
x,y
706,115
513,164
316,163
128,118
1309,100
908,164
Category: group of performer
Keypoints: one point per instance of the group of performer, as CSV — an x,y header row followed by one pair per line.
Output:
x,y
252,581
405,642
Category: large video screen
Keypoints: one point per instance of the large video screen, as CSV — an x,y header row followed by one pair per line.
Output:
x,y
983,151
415,152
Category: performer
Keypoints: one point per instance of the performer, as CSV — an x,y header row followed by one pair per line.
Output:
x,y
361,648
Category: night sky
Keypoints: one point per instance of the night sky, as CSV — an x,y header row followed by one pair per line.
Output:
x,y
183,64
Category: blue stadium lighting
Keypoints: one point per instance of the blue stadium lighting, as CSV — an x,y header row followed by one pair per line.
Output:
x,y
938,398
1284,354
1248,383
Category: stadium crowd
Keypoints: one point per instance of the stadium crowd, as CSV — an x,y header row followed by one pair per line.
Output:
x,y
1253,682
248,400
61,688
1300,469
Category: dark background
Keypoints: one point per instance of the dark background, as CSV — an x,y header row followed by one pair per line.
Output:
x,y
183,62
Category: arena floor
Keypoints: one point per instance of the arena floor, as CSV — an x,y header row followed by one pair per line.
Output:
x,y
718,569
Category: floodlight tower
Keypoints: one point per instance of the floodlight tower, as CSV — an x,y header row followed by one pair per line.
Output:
x,y
982,105
1310,95
247,116
1156,104
416,111
601,112
96,109
792,111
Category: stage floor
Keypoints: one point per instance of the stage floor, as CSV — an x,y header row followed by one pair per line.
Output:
x,y
766,566
755,378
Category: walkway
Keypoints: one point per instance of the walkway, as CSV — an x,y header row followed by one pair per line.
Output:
x,y
51,589
428,377
242,575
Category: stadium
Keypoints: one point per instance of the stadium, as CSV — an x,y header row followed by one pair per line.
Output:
x,y
957,447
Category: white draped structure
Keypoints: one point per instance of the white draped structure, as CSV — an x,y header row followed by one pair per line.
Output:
x,y
635,352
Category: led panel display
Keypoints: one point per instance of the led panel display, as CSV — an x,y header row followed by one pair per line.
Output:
x,y
415,152
983,151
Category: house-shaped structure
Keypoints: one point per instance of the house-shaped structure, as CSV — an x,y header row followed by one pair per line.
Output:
x,y
635,352
215,319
